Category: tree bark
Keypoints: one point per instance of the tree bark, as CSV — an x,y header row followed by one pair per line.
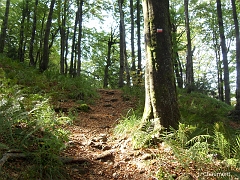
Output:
x,y
71,69
133,68
224,53
122,49
4,27
237,35
45,58
139,67
62,27
161,103
189,65
80,9
177,63
31,44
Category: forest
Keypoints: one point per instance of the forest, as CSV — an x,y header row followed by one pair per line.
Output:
x,y
117,89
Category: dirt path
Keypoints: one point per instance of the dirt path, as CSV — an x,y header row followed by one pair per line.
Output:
x,y
103,157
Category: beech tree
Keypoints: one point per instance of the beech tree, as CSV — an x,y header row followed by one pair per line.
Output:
x,y
161,103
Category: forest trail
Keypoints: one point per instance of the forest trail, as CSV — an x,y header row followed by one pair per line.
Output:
x,y
101,156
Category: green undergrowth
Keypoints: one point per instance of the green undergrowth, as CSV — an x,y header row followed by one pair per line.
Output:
x,y
58,87
204,136
30,126
29,123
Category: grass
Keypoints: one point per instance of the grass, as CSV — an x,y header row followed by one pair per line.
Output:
x,y
203,138
29,122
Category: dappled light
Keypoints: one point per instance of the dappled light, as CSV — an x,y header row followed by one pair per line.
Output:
x,y
82,99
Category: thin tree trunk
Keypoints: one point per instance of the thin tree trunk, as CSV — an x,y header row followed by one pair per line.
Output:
x,y
34,27
189,65
106,70
177,63
62,28
45,58
71,70
66,53
133,68
21,41
139,68
4,27
122,53
235,18
224,53
79,37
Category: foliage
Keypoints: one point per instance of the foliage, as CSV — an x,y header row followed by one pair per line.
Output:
x,y
59,87
203,137
29,124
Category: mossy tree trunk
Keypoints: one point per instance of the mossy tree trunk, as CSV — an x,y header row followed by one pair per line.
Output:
x,y
160,99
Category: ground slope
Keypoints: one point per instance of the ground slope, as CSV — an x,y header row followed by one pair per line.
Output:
x,y
101,156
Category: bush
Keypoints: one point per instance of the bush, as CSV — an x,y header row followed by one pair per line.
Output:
x,y
29,124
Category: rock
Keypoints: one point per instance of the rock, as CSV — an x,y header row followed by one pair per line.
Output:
x,y
146,157
100,138
105,148
115,175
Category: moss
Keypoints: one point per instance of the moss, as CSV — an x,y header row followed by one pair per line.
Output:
x,y
84,108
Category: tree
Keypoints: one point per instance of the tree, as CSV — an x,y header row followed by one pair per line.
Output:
x,y
45,58
139,67
189,66
133,67
235,18
4,27
62,18
32,62
23,27
123,56
80,14
224,52
160,90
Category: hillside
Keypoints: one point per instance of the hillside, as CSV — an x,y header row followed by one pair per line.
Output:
x,y
59,128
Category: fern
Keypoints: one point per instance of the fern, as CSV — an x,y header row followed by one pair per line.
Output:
x,y
236,148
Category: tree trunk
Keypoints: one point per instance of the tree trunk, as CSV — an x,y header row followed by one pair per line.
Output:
x,y
23,26
139,68
177,63
71,70
111,42
224,53
161,99
122,49
79,37
66,53
235,18
34,27
189,65
45,58
62,27
133,68
4,27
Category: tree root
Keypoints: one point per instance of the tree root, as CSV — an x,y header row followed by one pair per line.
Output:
x,y
18,155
